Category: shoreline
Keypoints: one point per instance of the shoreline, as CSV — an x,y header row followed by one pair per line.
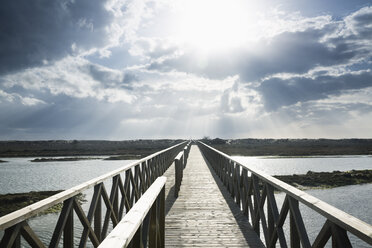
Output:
x,y
325,180
64,159
15,201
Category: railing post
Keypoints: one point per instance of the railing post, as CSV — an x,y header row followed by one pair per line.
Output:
x,y
11,235
17,242
176,165
137,240
115,195
68,231
178,177
98,213
270,221
161,227
154,238
256,198
185,156
294,236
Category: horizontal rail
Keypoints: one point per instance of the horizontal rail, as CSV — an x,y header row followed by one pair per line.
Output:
x,y
139,175
260,186
123,233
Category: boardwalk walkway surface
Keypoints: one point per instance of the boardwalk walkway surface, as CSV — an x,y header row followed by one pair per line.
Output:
x,y
204,214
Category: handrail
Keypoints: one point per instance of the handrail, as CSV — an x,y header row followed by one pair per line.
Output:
x,y
261,186
186,151
180,163
139,175
147,212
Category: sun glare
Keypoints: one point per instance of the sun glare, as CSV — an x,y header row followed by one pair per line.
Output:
x,y
214,24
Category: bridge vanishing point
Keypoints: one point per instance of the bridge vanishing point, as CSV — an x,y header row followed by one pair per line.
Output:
x,y
189,195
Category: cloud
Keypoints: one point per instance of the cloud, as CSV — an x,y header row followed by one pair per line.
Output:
x,y
278,92
74,77
14,98
62,117
324,43
34,33
158,107
288,52
359,23
231,101
110,78
83,69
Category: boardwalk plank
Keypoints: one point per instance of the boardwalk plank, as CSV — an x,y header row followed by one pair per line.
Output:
x,y
204,214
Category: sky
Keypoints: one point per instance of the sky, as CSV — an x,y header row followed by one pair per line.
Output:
x,y
149,69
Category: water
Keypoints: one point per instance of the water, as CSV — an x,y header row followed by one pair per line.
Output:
x,y
21,175
355,200
289,166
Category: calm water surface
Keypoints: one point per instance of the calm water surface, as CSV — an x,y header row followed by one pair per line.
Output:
x,y
21,175
289,166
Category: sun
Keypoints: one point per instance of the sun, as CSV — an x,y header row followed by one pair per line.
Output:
x,y
214,24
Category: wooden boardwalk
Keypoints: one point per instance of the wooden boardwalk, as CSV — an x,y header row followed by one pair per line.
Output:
x,y
204,214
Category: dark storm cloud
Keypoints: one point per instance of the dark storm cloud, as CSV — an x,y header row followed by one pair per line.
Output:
x,y
278,92
35,31
63,117
111,78
323,114
295,53
360,22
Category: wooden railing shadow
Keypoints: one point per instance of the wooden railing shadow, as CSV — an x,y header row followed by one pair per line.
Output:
x,y
253,193
170,200
179,165
240,219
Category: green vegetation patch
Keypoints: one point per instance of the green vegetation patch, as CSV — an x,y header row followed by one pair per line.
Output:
x,y
54,148
125,157
12,202
63,159
328,179
292,147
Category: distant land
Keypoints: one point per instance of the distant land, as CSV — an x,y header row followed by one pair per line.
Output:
x,y
292,147
49,148
141,148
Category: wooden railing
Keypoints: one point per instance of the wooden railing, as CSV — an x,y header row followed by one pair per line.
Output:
x,y
180,163
124,193
252,190
186,152
143,225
